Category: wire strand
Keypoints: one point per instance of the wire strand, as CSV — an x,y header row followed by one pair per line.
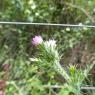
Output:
x,y
58,87
47,24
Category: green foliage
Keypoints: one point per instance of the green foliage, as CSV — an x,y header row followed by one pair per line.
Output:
x,y
36,78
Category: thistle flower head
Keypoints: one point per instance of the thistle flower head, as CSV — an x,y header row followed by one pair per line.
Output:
x,y
37,40
72,68
50,43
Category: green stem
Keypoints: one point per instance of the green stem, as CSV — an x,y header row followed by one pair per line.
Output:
x,y
61,71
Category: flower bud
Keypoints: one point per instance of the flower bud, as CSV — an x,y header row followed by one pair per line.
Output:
x,y
37,40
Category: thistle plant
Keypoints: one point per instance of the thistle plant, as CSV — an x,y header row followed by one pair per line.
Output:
x,y
48,57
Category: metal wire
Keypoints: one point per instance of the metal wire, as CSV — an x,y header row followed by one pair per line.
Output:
x,y
88,88
58,87
47,24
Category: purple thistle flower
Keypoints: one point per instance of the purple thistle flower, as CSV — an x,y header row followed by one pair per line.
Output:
x,y
37,40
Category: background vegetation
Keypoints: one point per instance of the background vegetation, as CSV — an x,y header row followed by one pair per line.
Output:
x,y
76,45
